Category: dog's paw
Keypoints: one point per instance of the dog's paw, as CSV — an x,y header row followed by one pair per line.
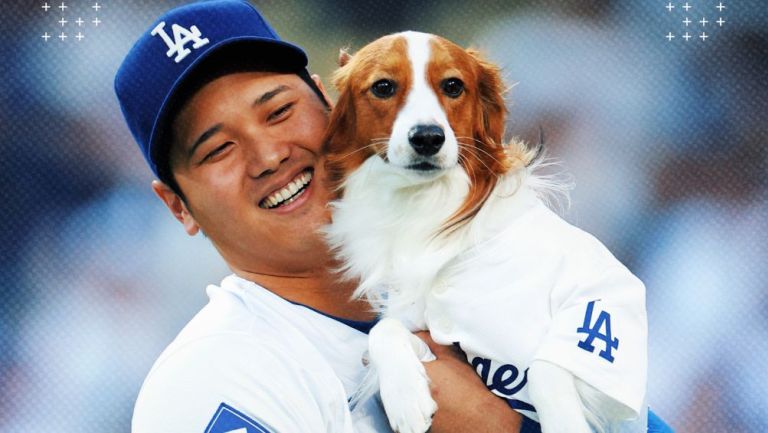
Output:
x,y
406,398
553,391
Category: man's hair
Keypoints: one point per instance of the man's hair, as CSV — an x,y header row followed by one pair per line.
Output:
x,y
229,60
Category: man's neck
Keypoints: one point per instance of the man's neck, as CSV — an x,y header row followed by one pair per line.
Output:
x,y
322,291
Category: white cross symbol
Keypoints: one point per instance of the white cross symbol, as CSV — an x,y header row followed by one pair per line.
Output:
x,y
670,36
79,36
79,22
687,6
703,36
96,6
46,7
686,36
720,7
62,6
96,21
686,21
62,36
720,21
46,36
62,21
704,22
669,6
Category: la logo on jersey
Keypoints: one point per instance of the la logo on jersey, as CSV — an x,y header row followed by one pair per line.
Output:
x,y
181,37
594,332
230,420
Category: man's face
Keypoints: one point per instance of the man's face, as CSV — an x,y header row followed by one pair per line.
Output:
x,y
246,155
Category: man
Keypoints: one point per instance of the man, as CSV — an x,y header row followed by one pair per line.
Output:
x,y
231,123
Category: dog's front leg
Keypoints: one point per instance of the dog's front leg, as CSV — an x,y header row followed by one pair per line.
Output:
x,y
396,355
553,392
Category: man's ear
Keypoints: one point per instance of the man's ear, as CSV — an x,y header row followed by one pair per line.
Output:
x,y
316,79
176,205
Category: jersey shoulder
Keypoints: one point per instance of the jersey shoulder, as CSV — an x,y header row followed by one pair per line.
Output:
x,y
230,368
557,244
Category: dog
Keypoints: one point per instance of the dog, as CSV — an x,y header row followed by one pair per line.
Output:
x,y
445,227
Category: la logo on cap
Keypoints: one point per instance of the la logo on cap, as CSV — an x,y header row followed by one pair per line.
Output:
x,y
181,37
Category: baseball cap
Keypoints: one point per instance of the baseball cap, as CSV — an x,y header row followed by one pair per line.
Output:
x,y
173,48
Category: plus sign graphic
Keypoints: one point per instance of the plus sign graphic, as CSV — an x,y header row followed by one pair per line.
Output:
x,y
691,14
88,15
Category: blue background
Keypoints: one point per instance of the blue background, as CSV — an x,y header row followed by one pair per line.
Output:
x,y
665,141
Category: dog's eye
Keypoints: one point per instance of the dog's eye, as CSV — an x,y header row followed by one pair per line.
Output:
x,y
452,87
384,88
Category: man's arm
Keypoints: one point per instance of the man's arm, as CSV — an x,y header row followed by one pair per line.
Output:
x,y
464,402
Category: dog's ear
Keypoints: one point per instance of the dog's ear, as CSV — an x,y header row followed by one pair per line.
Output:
x,y
491,93
341,125
344,57
486,166
339,136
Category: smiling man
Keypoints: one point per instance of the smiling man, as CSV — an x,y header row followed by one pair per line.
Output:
x,y
246,155
231,123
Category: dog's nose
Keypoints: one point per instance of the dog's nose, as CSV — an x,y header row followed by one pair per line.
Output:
x,y
426,139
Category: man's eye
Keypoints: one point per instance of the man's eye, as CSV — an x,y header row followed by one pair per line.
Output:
x,y
280,111
218,150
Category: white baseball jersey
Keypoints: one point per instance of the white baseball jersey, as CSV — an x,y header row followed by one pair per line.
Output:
x,y
250,361
543,289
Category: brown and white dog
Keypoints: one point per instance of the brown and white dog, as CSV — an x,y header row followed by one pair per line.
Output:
x,y
415,148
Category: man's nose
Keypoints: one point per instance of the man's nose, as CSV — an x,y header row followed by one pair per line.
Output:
x,y
265,156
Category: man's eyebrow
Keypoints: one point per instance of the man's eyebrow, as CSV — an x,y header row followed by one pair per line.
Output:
x,y
270,94
204,136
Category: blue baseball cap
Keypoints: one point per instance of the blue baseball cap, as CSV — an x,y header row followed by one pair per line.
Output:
x,y
166,55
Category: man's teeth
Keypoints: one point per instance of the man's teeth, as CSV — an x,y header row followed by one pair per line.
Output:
x,y
289,192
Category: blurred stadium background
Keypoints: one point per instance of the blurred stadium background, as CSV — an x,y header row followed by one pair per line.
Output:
x,y
666,141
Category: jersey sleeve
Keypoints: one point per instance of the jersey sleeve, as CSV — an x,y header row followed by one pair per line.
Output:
x,y
599,333
235,383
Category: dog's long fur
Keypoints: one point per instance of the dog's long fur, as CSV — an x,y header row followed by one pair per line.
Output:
x,y
394,228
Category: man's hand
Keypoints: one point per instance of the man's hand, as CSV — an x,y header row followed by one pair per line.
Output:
x,y
463,402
